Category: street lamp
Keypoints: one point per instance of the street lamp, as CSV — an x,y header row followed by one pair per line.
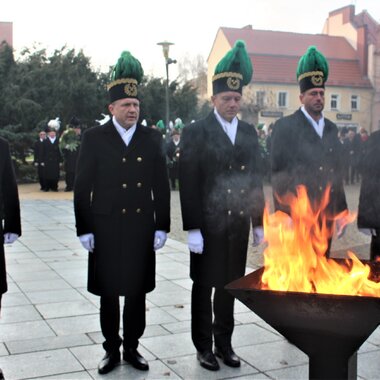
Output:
x,y
165,49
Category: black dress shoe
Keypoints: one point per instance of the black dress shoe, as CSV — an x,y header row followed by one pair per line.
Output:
x,y
228,356
208,360
132,356
109,362
1,375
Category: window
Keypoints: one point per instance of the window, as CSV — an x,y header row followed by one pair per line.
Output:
x,y
334,102
260,98
282,99
354,102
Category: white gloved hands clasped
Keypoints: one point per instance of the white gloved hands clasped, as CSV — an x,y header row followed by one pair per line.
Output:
x,y
159,240
10,237
368,231
195,241
88,242
257,236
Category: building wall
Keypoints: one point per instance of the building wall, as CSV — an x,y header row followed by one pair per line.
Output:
x,y
6,32
336,25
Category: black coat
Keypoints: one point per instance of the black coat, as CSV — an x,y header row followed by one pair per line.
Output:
x,y
122,196
9,206
300,157
38,151
221,192
52,159
369,198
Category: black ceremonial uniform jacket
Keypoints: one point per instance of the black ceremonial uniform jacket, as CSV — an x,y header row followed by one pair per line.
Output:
x,y
52,158
300,157
9,206
122,196
221,193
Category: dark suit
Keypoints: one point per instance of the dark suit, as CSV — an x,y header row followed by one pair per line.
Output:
x,y
369,198
173,153
221,193
52,159
38,160
9,207
122,196
300,157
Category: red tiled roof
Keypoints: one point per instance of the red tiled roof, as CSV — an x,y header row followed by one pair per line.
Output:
x,y
275,55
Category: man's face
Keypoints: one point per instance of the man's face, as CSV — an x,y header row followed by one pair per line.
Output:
x,y
313,100
42,135
52,134
227,104
126,111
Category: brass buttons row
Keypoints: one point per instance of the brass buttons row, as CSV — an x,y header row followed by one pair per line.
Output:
x,y
229,191
331,170
229,212
124,185
139,159
241,167
124,211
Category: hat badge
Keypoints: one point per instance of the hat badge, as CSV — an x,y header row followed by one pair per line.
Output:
x,y
233,83
317,80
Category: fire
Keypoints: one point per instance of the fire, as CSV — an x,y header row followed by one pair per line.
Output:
x,y
294,259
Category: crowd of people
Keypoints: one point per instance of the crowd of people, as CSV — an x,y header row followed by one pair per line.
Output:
x,y
122,179
53,152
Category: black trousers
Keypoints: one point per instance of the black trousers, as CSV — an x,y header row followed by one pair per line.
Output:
x,y
133,321
203,327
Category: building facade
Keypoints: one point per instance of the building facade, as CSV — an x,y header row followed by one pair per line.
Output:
x,y
353,87
6,33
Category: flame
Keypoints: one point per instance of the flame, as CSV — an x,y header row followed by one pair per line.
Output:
x,y
295,257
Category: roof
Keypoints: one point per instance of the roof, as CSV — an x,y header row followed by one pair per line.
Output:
x,y
275,55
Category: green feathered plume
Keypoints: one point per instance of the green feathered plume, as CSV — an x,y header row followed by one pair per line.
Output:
x,y
127,66
160,125
313,60
237,60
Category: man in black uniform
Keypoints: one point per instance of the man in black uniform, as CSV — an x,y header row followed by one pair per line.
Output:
x,y
10,224
52,159
38,158
69,144
305,145
221,194
173,151
122,211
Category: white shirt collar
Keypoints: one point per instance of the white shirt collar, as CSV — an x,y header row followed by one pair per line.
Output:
x,y
230,128
125,134
317,125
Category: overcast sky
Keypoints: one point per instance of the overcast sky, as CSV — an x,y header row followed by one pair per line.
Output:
x,y
105,28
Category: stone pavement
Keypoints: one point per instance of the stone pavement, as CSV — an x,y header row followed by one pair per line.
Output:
x,y
49,328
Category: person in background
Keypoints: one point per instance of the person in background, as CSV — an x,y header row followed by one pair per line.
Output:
x,y
173,149
10,226
352,148
69,144
38,159
221,195
305,146
369,196
122,213
52,158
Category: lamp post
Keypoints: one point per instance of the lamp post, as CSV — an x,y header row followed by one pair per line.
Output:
x,y
165,49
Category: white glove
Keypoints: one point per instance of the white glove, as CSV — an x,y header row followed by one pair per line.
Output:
x,y
258,236
88,242
368,231
195,241
159,240
10,237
